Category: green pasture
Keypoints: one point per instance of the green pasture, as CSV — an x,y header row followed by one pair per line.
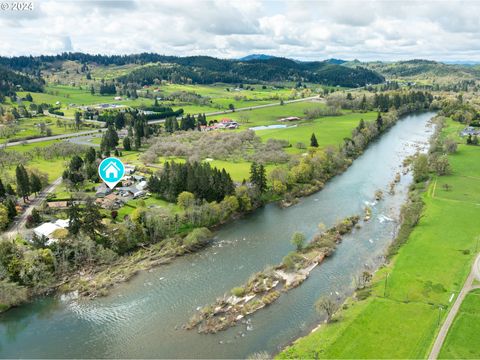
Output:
x,y
462,340
410,296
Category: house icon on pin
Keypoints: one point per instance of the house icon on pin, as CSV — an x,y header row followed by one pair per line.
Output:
x,y
111,170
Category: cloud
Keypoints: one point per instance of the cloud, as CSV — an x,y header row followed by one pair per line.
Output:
x,y
309,30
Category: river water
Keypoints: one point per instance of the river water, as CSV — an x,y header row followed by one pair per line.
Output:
x,y
143,318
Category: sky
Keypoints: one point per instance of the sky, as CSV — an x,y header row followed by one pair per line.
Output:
x,y
305,30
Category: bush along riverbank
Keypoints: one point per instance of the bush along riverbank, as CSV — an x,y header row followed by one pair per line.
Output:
x,y
424,266
267,286
97,254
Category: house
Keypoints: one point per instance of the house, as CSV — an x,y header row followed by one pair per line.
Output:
x,y
117,98
129,169
102,191
142,185
138,177
138,193
63,223
47,229
57,204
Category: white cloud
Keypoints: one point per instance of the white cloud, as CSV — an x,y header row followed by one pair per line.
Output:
x,y
299,29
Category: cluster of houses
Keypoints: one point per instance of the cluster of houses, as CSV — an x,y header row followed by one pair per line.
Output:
x,y
224,124
470,130
133,186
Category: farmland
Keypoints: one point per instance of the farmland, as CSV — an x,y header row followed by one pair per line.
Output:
x,y
412,294
462,339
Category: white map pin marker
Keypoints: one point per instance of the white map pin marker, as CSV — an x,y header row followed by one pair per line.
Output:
x,y
111,171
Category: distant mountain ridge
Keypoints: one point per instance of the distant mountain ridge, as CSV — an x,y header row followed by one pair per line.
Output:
x,y
256,57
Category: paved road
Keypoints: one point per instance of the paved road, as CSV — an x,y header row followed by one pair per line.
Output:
x,y
19,223
54,137
89,132
467,287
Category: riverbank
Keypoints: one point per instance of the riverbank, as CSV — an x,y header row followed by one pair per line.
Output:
x,y
267,286
162,299
409,297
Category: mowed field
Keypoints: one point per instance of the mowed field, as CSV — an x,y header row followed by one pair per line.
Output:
x,y
402,317
462,341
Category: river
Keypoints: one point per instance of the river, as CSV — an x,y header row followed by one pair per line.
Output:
x,y
143,318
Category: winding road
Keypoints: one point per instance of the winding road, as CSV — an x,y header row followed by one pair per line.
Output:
x,y
467,287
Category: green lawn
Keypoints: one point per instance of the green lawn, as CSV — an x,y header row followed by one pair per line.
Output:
x,y
150,202
462,340
328,130
427,270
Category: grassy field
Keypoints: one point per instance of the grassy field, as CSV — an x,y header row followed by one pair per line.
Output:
x,y
462,339
29,127
428,269
71,96
329,130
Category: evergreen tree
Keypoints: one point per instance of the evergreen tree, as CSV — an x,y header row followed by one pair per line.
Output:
x,y
74,217
9,190
11,208
262,179
3,192
109,139
75,163
313,140
92,219
379,122
23,182
127,144
90,155
36,184
363,103
78,120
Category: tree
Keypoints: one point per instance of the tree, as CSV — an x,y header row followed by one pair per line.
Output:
x,y
298,239
441,165
231,107
450,145
36,184
127,145
23,182
12,209
36,218
258,177
4,220
109,139
185,199
326,305
313,140
2,190
74,217
420,168
9,190
379,122
92,219
90,155
78,120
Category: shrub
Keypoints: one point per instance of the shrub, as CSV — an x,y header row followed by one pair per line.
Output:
x,y
238,291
